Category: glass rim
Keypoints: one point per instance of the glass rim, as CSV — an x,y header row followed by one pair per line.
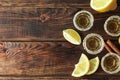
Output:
x,y
105,25
91,20
102,62
85,46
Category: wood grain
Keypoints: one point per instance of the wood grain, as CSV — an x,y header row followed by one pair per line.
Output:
x,y
44,23
32,46
44,3
36,24
42,59
51,78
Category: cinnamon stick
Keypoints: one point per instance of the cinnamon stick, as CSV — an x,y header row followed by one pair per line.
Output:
x,y
113,46
107,47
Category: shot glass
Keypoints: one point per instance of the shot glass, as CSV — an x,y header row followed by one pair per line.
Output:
x,y
112,26
93,43
83,20
110,63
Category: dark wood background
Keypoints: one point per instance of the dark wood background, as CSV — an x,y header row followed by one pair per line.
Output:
x,y
32,46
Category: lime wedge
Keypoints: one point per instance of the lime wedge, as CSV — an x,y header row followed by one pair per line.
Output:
x,y
94,64
82,67
103,5
72,36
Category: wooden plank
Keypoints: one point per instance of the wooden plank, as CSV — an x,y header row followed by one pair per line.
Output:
x,y
43,3
51,58
46,3
51,78
36,59
44,24
29,23
43,59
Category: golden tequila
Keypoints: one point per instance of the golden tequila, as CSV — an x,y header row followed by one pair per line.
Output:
x,y
83,20
112,26
93,43
111,63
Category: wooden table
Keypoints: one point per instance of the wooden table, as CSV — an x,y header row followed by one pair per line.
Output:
x,y
32,46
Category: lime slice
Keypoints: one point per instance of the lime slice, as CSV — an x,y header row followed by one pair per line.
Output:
x,y
94,64
82,67
72,36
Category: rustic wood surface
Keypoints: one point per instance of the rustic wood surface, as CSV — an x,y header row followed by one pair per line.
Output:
x,y
32,46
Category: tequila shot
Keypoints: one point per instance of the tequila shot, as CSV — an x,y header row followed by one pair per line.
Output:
x,y
110,63
112,26
93,43
83,20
